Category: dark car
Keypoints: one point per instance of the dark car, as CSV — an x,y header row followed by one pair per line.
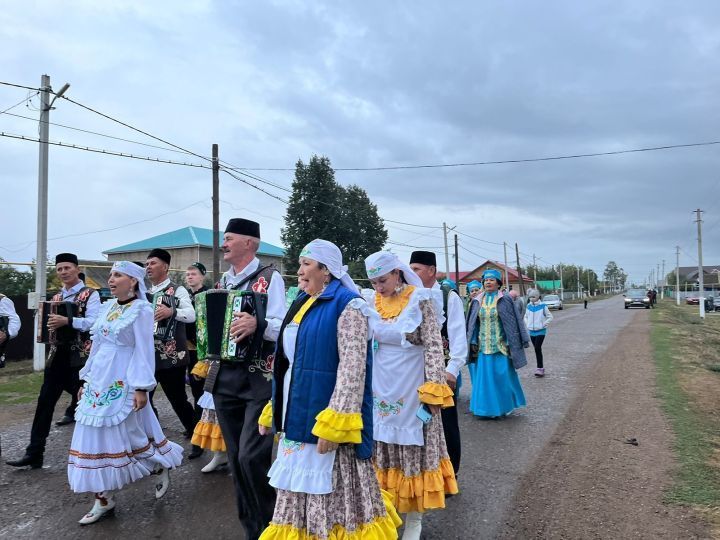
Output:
x,y
637,298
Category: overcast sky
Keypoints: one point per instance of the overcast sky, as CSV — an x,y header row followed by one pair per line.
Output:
x,y
372,84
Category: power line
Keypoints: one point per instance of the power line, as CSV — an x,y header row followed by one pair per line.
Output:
x,y
480,239
106,152
28,97
20,86
510,161
414,247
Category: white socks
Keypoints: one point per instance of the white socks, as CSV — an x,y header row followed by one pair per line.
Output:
x,y
413,526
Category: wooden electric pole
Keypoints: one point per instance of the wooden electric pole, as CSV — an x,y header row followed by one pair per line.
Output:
x,y
216,213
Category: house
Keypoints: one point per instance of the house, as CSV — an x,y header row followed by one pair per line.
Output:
x,y
189,245
466,277
689,274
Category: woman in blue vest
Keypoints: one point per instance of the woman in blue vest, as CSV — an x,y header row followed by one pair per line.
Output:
x,y
497,337
322,409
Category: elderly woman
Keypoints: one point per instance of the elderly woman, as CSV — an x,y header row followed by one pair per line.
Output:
x,y
322,409
409,388
497,337
537,318
117,438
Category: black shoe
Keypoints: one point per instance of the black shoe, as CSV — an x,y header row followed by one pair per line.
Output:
x,y
65,420
35,462
196,452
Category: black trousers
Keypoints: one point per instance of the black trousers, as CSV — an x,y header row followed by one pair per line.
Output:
x,y
59,377
537,342
452,433
172,381
196,387
249,453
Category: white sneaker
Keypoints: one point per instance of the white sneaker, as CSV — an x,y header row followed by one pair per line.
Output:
x,y
413,526
98,510
219,459
163,482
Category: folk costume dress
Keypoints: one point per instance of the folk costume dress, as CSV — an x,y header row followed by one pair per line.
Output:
x,y
496,389
411,458
207,434
330,496
113,445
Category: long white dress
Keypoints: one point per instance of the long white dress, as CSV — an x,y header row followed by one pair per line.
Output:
x,y
113,445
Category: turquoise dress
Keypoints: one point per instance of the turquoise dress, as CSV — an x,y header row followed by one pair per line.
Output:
x,y
496,388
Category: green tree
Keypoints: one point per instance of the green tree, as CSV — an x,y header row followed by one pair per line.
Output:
x,y
13,282
321,208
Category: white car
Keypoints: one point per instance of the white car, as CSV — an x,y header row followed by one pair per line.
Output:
x,y
552,301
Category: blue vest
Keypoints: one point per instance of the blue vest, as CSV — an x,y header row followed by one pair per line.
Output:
x,y
315,368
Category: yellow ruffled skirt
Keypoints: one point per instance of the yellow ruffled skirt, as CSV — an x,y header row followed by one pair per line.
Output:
x,y
207,434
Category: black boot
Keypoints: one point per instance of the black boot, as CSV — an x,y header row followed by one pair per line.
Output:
x,y
196,452
65,420
34,462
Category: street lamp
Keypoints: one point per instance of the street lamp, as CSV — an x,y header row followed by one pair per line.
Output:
x,y
41,257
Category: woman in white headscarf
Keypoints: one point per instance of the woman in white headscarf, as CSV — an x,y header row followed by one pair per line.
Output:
x,y
409,388
322,411
117,438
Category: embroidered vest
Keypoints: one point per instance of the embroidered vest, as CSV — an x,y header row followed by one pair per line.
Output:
x,y
261,367
79,348
172,351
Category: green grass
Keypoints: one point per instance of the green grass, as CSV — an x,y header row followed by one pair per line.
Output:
x,y
19,385
697,481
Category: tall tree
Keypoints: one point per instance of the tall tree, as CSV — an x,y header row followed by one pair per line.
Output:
x,y
321,208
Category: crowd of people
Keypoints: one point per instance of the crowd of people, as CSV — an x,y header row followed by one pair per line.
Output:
x,y
359,386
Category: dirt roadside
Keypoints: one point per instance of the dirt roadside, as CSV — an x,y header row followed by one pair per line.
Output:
x,y
588,483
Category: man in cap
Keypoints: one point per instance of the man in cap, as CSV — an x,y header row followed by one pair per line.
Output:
x,y
243,388
171,356
424,264
194,279
65,359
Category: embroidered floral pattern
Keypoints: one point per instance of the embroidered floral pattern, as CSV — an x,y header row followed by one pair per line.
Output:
x,y
264,366
261,285
288,447
103,399
385,408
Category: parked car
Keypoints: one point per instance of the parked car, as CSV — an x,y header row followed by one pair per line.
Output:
x,y
710,303
552,301
637,298
692,300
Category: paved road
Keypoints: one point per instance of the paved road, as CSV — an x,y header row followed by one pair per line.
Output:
x,y
496,453
495,456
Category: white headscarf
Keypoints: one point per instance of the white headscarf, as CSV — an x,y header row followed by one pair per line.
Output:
x,y
383,262
133,270
329,254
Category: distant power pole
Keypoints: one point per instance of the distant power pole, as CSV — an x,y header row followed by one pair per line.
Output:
x,y
701,277
457,264
578,280
216,213
677,275
662,281
519,271
534,272
447,255
507,275
562,286
588,275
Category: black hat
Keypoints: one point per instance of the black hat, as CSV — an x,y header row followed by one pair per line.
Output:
x,y
423,257
243,226
66,257
200,266
161,254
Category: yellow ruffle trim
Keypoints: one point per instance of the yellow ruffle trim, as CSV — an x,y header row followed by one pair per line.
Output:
x,y
338,427
209,437
425,491
391,306
201,369
382,528
436,394
266,416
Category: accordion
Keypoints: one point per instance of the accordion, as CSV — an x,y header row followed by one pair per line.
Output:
x,y
63,335
215,310
165,330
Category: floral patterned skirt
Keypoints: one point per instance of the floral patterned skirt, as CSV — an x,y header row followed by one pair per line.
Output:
x,y
417,477
355,509
207,434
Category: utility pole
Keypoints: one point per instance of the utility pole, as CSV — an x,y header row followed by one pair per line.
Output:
x,y
519,271
42,215
579,285
662,281
588,276
534,272
216,213
457,265
562,286
677,275
657,277
507,275
447,255
701,277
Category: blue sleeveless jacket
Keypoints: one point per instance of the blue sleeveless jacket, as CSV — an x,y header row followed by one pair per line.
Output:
x,y
314,370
